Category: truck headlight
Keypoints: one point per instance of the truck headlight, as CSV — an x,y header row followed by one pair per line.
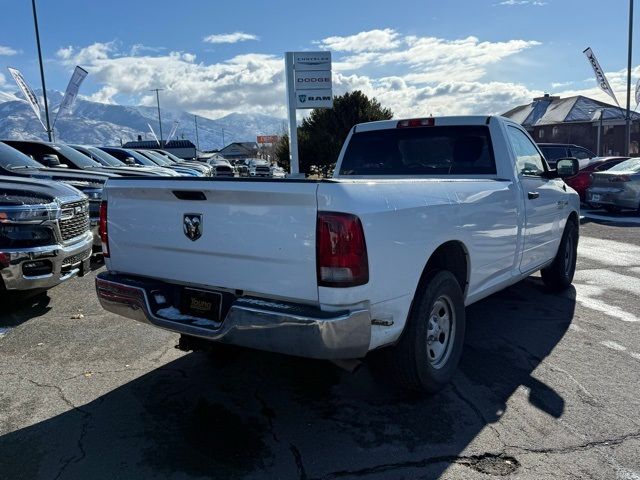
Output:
x,y
93,194
25,236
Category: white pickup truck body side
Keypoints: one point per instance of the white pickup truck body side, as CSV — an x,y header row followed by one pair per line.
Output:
x,y
258,238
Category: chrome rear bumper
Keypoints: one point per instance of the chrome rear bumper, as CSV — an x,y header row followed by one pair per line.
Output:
x,y
250,322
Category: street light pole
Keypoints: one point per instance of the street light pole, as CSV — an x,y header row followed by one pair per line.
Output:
x,y
627,130
44,88
157,90
195,120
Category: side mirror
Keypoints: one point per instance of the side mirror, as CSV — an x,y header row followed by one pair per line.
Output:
x,y
567,167
50,160
130,161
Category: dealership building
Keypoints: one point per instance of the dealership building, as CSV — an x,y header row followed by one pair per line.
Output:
x,y
551,119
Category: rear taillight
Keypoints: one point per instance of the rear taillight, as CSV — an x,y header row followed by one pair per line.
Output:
x,y
102,229
341,252
620,178
416,122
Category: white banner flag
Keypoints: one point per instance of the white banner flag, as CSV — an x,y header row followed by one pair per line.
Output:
x,y
28,93
172,132
154,134
638,93
71,93
603,83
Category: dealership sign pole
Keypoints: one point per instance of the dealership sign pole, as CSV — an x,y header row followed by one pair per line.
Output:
x,y
308,86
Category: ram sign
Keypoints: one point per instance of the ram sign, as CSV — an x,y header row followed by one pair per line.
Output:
x,y
314,99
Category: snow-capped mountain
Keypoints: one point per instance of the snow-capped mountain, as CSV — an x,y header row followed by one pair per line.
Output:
x,y
106,124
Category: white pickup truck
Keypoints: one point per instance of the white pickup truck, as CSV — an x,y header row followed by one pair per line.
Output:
x,y
421,218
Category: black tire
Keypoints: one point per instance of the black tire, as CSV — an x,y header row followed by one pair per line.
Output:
x,y
559,275
410,363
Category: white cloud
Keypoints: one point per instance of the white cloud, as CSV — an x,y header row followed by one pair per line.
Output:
x,y
229,37
87,55
104,95
245,83
138,48
372,40
411,75
8,51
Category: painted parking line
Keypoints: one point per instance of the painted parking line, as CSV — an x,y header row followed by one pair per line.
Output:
x,y
587,296
609,252
610,218
606,278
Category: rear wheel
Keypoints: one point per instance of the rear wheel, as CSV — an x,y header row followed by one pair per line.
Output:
x,y
559,275
427,354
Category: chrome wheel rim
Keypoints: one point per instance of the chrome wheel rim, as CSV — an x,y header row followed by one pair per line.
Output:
x,y
568,255
440,331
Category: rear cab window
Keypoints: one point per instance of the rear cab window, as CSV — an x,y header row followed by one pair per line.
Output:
x,y
420,151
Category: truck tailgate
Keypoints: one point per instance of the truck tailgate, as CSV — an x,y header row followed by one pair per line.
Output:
x,y
255,236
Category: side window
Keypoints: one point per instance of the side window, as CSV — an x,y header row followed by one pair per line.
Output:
x,y
579,153
528,159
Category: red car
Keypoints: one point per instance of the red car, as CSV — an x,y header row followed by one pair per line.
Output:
x,y
582,180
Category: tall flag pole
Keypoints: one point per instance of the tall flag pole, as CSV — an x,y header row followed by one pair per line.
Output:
x,y
44,87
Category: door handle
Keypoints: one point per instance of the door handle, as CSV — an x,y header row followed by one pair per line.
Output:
x,y
533,195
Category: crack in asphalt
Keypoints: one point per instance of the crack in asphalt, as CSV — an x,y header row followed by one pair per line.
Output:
x,y
607,442
269,413
584,395
302,473
477,411
102,372
83,430
485,463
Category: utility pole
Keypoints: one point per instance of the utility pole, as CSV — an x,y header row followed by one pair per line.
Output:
x,y
598,151
44,88
157,90
627,130
195,120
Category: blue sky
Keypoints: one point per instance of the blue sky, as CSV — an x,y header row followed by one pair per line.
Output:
x,y
416,57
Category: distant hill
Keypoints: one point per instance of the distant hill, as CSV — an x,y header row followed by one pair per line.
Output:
x,y
106,124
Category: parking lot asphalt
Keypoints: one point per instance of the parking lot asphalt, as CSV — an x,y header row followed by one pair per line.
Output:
x,y
547,388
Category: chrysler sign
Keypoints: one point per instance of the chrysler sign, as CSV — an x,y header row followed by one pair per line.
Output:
x,y
311,61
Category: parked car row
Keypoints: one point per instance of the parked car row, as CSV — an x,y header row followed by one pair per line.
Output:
x,y
50,196
616,188
612,183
